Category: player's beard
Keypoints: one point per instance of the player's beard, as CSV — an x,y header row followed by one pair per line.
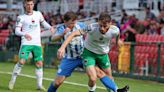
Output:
x,y
103,29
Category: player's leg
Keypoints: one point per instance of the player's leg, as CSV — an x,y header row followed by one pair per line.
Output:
x,y
56,83
39,75
91,72
66,67
89,64
108,72
108,81
23,55
37,54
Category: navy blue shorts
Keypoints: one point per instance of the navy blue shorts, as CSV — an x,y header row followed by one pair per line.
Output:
x,y
67,66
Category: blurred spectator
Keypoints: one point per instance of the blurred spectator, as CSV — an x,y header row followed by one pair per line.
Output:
x,y
162,27
139,27
4,23
153,29
161,16
149,14
130,31
124,17
53,20
130,34
116,23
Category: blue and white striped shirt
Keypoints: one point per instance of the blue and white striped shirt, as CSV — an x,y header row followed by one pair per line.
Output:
x,y
75,47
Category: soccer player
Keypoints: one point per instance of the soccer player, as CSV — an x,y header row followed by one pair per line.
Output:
x,y
72,58
96,51
28,27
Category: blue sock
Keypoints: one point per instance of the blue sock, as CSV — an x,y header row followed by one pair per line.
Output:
x,y
52,88
109,83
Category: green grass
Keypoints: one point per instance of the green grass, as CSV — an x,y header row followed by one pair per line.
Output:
x,y
25,84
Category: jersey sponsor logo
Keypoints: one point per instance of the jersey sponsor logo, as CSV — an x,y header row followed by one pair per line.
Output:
x,y
33,26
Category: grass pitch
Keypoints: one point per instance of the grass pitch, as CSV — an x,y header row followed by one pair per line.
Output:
x,y
28,84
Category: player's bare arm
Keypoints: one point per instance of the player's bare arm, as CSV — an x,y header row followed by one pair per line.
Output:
x,y
119,42
61,50
52,30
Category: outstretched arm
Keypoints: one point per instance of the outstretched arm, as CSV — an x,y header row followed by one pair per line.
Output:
x,y
61,50
119,42
45,24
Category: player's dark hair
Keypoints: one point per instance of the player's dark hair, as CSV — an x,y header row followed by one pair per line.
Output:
x,y
27,1
70,16
104,16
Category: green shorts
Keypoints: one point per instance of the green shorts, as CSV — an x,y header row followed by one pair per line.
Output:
x,y
90,58
26,49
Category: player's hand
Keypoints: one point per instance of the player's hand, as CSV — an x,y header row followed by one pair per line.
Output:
x,y
120,43
52,30
60,52
66,30
28,37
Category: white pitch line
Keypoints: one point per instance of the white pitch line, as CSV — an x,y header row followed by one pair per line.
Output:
x,y
49,79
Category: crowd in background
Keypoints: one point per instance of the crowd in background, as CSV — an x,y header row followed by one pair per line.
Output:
x,y
129,25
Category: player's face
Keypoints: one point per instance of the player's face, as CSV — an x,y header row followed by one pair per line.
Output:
x,y
70,24
29,6
104,25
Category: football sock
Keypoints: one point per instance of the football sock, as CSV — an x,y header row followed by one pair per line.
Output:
x,y
16,71
39,76
52,88
92,89
109,83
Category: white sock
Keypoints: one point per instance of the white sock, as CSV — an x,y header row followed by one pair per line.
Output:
x,y
92,88
17,69
39,76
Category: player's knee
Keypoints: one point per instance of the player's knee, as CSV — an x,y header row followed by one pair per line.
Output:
x,y
22,61
93,78
39,63
100,74
109,74
57,83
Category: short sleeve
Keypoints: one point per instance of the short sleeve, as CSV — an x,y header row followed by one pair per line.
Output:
x,y
59,29
82,25
19,22
116,31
